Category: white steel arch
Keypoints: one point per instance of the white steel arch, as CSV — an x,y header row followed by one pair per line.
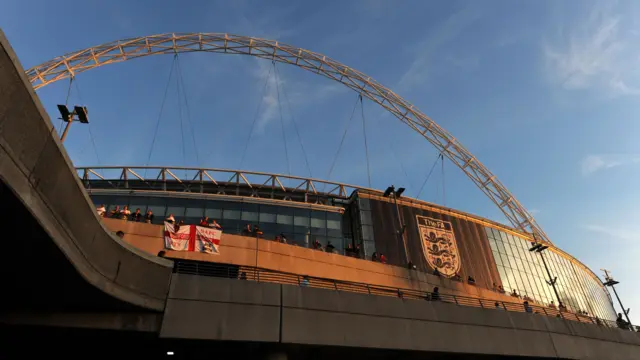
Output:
x,y
71,64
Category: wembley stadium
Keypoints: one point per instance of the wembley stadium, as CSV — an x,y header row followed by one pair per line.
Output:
x,y
297,232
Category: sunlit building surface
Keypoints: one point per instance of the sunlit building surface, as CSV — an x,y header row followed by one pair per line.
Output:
x,y
493,254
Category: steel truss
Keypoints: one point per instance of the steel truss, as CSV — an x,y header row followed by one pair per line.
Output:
x,y
71,64
226,182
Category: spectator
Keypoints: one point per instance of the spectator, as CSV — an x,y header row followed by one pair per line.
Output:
x,y
436,272
527,308
243,276
162,253
471,280
457,277
515,294
374,257
501,289
498,307
598,321
622,323
115,212
383,259
305,281
120,234
148,218
561,307
357,250
257,231
170,219
435,294
215,225
247,231
410,265
552,305
283,239
400,294
495,287
330,248
125,213
136,216
101,210
204,221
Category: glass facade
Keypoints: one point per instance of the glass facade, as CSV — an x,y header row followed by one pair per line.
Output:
x,y
366,227
523,271
301,226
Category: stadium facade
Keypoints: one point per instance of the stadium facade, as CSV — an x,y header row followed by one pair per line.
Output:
x,y
409,232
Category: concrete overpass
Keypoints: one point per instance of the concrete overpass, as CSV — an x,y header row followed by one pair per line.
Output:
x,y
71,284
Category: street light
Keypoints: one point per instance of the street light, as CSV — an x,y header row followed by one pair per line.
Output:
x,y
610,282
80,111
539,248
392,192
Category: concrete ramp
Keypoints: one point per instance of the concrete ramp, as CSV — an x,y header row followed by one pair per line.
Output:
x,y
37,170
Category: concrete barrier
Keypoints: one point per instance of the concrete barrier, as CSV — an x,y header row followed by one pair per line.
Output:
x,y
34,165
211,308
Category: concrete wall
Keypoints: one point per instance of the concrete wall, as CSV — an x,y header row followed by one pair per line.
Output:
x,y
240,250
35,166
210,308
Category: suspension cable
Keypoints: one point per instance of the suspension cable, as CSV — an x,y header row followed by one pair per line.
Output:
x,y
429,175
186,102
93,141
184,144
284,137
295,124
66,102
255,118
164,97
366,147
344,134
443,193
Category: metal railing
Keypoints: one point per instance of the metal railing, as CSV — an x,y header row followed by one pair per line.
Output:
x,y
280,277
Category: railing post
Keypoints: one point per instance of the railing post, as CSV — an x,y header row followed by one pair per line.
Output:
x,y
455,299
298,278
368,289
335,285
258,274
545,311
480,301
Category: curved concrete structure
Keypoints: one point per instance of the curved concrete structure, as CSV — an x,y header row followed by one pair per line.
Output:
x,y
34,165
64,268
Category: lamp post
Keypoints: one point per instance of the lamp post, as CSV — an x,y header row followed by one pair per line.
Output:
x,y
539,248
80,111
392,192
610,282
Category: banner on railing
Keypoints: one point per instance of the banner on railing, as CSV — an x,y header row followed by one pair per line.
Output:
x,y
192,238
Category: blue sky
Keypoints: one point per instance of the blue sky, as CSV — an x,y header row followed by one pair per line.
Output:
x,y
544,93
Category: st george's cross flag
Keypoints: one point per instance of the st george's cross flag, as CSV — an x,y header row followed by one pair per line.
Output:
x,y
192,238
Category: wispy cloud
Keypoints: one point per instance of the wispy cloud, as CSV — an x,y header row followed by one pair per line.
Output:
x,y
534,211
615,232
425,52
292,94
594,163
599,52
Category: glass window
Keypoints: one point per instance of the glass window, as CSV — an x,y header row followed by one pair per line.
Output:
x,y
497,257
250,213
176,207
138,202
213,214
301,217
268,214
195,209
488,231
334,221
231,211
318,219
